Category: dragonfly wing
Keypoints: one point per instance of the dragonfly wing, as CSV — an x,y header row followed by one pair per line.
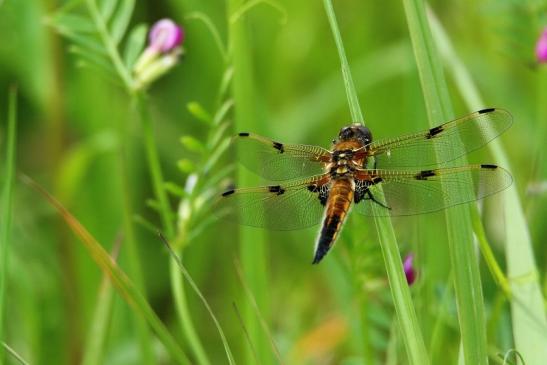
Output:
x,y
291,205
425,191
443,143
278,161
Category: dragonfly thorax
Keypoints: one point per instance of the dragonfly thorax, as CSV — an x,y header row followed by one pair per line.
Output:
x,y
357,132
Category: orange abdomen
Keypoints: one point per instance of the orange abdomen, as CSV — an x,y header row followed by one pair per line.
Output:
x,y
337,208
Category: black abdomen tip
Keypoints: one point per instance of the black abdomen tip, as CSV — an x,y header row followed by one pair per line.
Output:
x,y
244,134
488,110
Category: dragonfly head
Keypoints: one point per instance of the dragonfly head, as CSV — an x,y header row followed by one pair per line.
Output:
x,y
355,131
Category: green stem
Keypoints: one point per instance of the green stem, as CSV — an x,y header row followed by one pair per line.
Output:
x,y
7,205
134,264
177,284
353,100
460,235
187,325
252,244
404,307
110,45
154,166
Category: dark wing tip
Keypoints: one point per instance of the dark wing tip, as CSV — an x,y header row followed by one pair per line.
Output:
x,y
487,110
244,134
228,192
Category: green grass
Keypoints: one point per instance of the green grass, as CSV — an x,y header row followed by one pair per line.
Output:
x,y
406,314
527,302
7,204
467,282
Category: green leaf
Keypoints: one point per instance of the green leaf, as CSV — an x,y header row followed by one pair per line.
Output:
x,y
217,153
74,23
223,111
192,144
94,59
106,8
186,166
199,112
88,42
134,45
121,20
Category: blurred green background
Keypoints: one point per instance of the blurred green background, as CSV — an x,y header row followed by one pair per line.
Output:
x,y
339,312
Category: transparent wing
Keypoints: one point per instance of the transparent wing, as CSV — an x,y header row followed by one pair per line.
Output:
x,y
279,161
451,140
292,205
424,191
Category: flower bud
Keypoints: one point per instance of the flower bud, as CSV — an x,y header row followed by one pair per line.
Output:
x,y
165,36
410,273
162,54
541,47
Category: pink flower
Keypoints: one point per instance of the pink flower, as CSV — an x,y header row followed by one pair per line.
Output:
x,y
165,36
162,54
410,273
541,47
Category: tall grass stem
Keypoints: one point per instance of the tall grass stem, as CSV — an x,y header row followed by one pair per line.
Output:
x,y
404,306
252,245
166,216
527,303
468,288
351,93
7,205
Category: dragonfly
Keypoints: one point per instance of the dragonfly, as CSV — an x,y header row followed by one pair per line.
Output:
x,y
406,175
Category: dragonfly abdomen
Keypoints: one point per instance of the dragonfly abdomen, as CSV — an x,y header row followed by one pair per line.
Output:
x,y
337,207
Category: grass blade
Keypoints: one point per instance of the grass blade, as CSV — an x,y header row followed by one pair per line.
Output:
x,y
351,93
460,236
404,307
95,346
527,305
119,279
252,245
188,277
7,203
14,354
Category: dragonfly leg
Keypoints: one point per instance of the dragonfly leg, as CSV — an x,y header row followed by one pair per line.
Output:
x,y
371,197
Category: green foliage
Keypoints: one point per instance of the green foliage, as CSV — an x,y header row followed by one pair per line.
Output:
x,y
97,28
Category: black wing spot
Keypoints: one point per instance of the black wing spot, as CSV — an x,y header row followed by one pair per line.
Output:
x,y
423,175
377,180
228,192
279,146
488,110
244,134
489,166
434,131
276,189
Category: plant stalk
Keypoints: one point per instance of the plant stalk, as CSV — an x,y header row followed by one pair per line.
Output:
x,y
404,307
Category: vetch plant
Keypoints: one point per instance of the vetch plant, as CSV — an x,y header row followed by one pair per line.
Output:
x,y
161,55
409,270
97,29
